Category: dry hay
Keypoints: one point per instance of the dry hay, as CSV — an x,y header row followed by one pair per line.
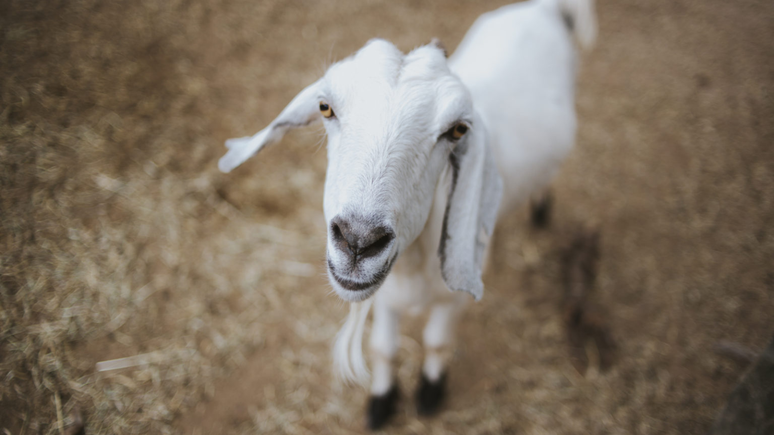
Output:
x,y
117,239
120,238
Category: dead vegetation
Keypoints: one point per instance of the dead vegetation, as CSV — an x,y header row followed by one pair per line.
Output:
x,y
750,407
120,239
108,211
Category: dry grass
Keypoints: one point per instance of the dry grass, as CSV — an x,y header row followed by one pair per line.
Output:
x,y
121,239
117,240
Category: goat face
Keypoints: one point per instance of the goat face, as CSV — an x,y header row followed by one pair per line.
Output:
x,y
394,122
390,120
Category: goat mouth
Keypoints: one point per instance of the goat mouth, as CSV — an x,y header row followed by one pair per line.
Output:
x,y
356,286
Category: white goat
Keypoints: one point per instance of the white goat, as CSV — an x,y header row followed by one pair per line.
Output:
x,y
420,152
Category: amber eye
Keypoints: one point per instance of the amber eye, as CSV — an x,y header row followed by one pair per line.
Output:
x,y
459,130
326,110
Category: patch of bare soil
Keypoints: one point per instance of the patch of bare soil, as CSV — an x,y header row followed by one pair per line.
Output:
x,y
120,238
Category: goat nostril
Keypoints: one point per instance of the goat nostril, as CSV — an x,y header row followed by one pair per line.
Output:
x,y
377,246
336,231
339,238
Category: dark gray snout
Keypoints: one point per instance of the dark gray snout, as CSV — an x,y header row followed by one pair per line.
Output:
x,y
359,238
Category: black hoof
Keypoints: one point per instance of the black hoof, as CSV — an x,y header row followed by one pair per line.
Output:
x,y
382,408
541,211
430,395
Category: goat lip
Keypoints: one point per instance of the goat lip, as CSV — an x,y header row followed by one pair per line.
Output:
x,y
348,284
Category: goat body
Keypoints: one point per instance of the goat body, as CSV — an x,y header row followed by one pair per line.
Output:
x,y
519,64
421,150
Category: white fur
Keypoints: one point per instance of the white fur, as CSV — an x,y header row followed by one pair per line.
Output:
x,y
512,82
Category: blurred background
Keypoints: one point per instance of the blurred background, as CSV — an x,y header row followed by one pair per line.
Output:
x,y
120,238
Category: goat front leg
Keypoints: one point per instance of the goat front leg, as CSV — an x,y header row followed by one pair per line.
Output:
x,y
438,337
384,345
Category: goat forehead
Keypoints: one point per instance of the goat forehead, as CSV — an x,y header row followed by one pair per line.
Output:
x,y
387,100
380,59
370,73
380,72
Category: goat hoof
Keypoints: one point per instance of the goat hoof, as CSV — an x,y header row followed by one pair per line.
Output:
x,y
430,395
381,408
540,211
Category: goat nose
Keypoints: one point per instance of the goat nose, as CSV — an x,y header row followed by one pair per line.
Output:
x,y
360,238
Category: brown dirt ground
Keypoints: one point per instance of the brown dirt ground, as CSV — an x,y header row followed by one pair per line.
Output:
x,y
121,238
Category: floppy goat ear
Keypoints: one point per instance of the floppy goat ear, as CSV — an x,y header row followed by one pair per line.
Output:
x,y
303,110
471,210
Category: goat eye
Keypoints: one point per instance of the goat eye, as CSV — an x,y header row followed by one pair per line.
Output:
x,y
326,110
459,130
